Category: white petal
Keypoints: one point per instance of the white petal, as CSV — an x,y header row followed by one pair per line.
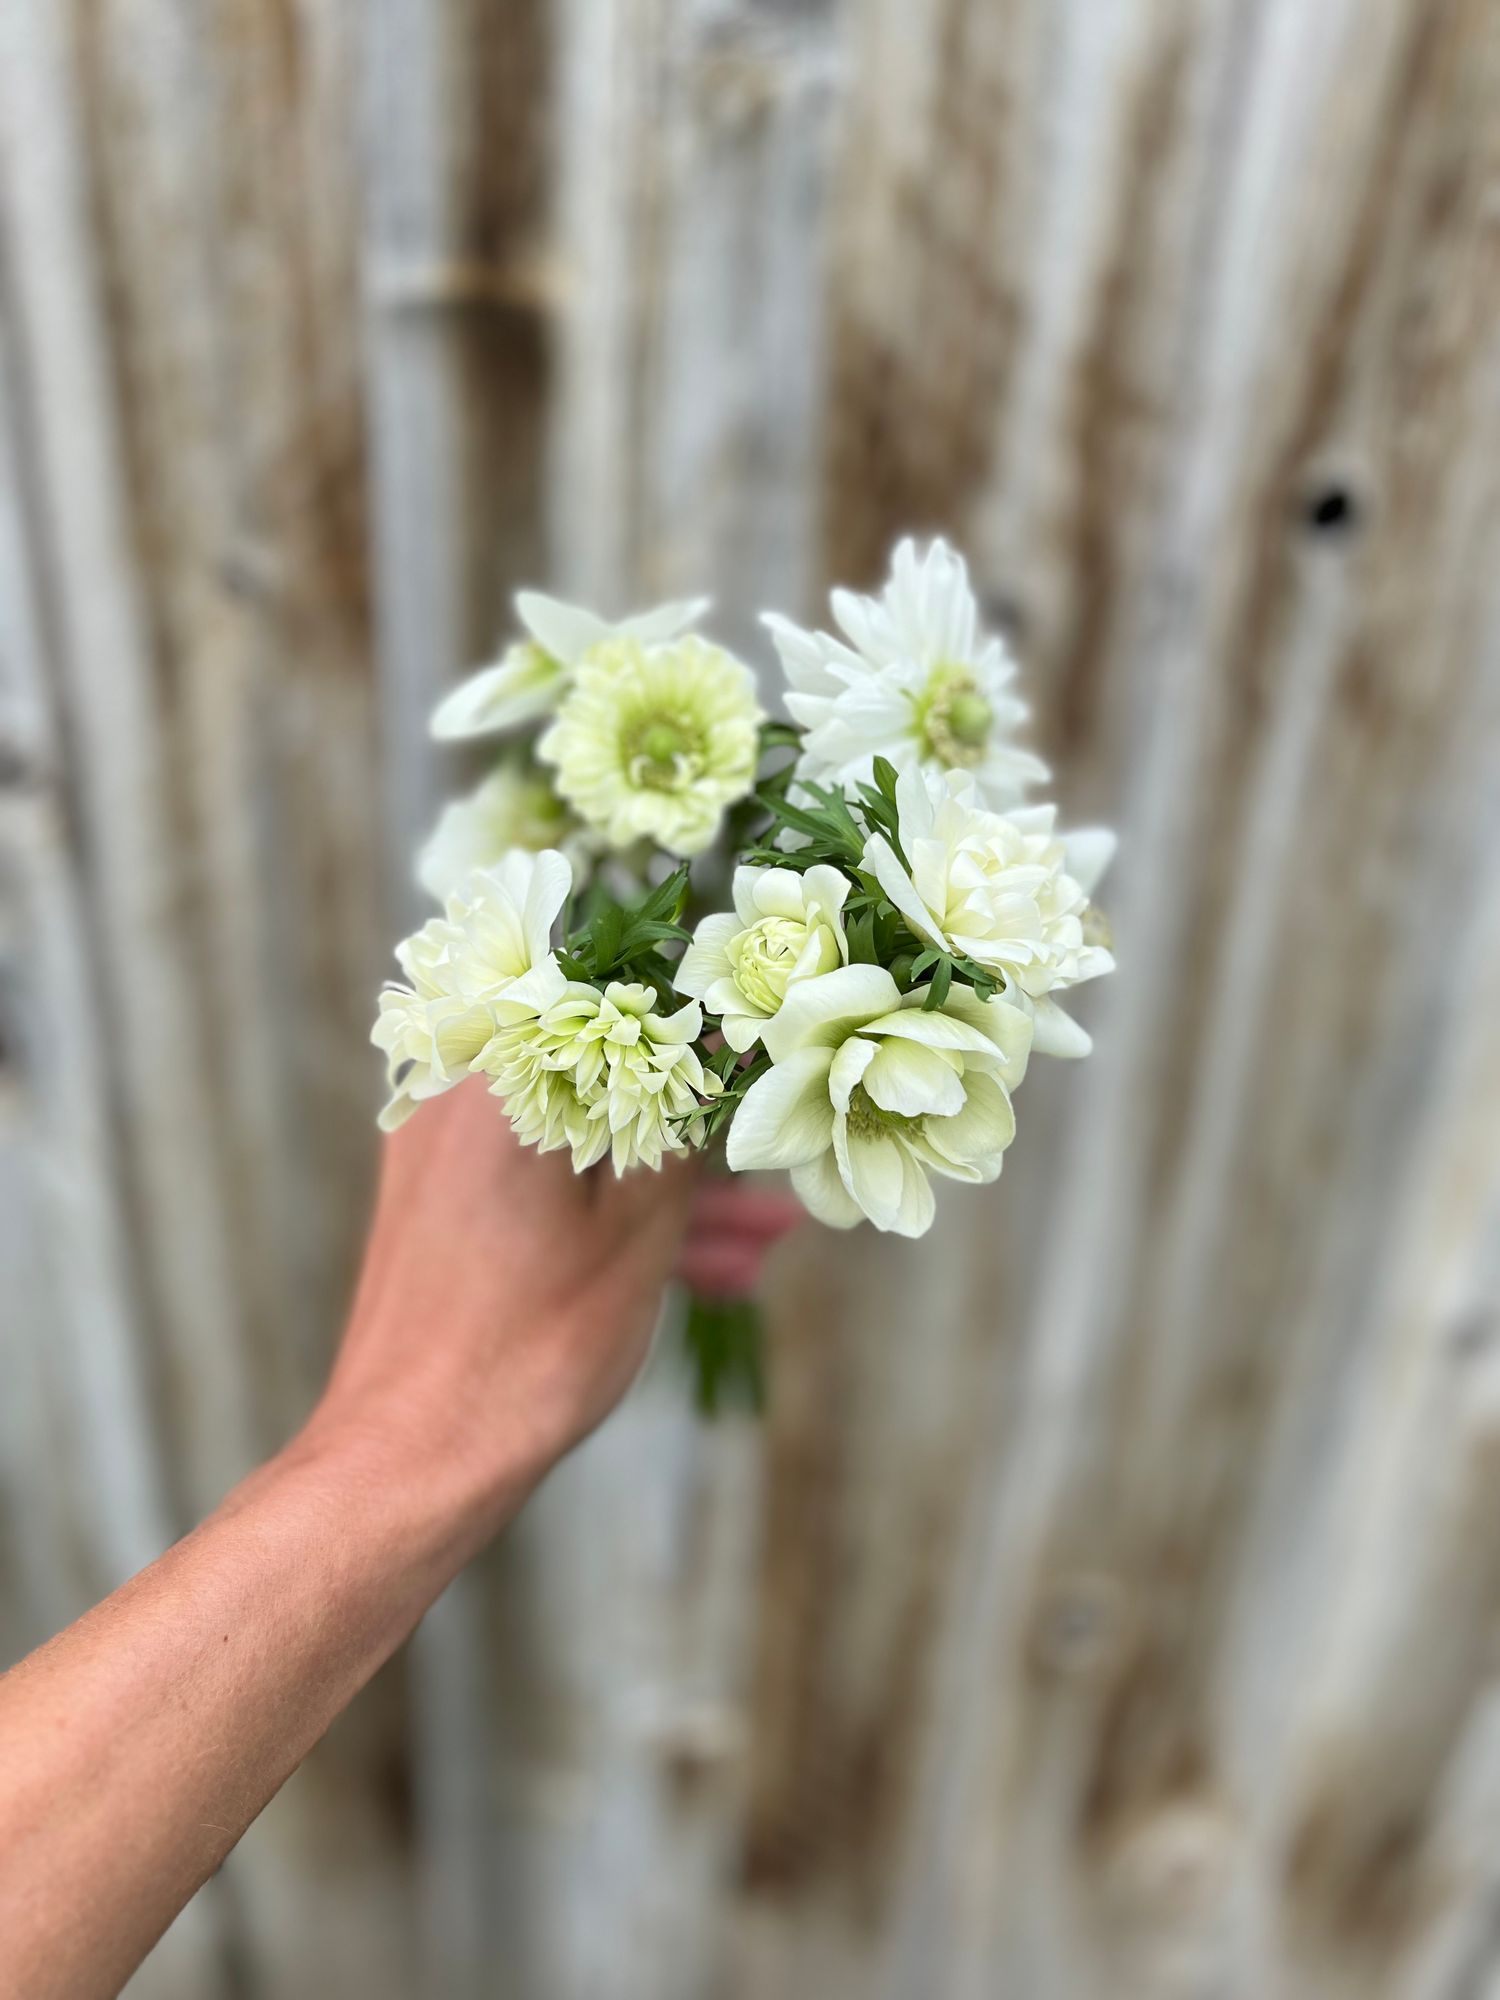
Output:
x,y
980,1131
563,630
1008,1026
499,697
849,1066
1033,819
822,1193
828,888
683,1026
823,1012
880,859
911,1080
705,959
872,1172
395,1111
914,1216
540,988
785,1120
918,794
536,885
742,1031
1054,1033
666,621
1089,851
742,890
774,892
937,1028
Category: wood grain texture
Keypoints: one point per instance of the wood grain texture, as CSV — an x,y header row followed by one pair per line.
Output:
x,y
1110,1603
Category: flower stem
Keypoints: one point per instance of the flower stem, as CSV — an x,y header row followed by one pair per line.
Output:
x,y
726,1347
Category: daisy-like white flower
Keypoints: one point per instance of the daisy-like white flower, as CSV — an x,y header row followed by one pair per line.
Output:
x,y
913,680
515,806
1005,890
869,1094
654,741
489,953
784,928
602,1073
533,674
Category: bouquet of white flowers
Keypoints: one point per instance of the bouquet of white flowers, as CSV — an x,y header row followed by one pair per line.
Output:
x,y
901,923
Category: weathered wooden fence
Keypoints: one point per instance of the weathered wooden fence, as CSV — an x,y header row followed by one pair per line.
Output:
x,y
1110,1604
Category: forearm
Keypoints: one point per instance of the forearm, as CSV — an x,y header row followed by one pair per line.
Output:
x,y
140,1743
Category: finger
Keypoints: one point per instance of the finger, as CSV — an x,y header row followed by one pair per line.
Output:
x,y
746,1211
721,1268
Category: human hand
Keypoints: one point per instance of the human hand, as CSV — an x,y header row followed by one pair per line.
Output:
x,y
507,1303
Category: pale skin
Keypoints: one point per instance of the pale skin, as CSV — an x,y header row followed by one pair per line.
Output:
x,y
503,1309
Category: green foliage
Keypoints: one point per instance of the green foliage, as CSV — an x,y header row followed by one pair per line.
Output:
x,y
612,940
833,830
638,941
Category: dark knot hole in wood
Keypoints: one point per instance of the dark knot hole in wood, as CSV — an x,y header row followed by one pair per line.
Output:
x,y
1332,509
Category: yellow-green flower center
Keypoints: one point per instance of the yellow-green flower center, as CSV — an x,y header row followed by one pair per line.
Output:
x,y
764,958
953,717
868,1120
664,753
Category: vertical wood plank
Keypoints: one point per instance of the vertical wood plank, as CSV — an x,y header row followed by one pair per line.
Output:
x,y
455,287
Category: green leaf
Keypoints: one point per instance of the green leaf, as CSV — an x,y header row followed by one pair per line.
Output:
x,y
608,931
860,932
666,899
937,992
780,736
640,932
885,778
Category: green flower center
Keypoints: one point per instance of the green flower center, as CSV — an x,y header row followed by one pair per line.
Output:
x,y
953,717
869,1120
664,753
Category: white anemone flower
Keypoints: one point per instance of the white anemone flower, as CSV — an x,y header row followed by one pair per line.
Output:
x,y
515,806
1006,890
533,674
784,928
914,680
489,953
655,741
603,1073
869,1093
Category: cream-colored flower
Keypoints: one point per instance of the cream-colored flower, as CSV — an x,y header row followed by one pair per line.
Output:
x,y
531,676
489,953
784,928
602,1073
1005,890
917,683
869,1094
515,806
654,742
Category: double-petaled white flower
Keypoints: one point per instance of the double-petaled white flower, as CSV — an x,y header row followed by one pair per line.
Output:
x,y
654,741
784,928
489,954
602,1073
914,680
1005,890
531,676
515,806
869,1093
